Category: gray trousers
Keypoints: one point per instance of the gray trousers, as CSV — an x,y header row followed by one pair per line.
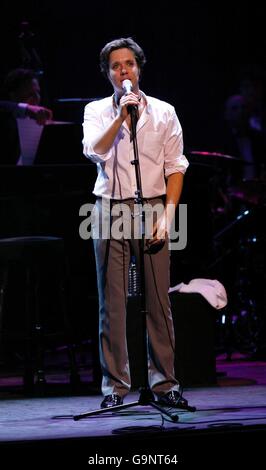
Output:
x,y
112,262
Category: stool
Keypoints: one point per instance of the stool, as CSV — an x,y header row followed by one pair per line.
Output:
x,y
34,254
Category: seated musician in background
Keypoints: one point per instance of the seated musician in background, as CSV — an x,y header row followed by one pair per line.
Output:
x,y
240,181
252,86
242,140
21,117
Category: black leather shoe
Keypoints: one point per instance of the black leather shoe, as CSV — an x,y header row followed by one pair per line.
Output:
x,y
173,399
111,400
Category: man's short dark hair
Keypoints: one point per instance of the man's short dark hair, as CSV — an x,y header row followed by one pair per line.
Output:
x,y
121,43
17,78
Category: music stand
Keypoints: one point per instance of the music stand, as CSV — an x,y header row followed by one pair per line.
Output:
x,y
146,396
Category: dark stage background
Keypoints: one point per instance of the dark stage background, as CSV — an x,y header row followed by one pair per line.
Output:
x,y
196,54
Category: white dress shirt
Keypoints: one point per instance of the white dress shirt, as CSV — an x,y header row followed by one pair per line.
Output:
x,y
160,149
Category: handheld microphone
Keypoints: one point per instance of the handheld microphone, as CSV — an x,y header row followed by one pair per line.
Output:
x,y
127,86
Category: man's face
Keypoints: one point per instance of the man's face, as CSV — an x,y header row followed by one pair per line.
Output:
x,y
122,66
29,92
236,111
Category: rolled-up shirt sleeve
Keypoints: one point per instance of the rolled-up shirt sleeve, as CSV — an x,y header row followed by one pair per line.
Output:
x,y
92,126
19,110
174,161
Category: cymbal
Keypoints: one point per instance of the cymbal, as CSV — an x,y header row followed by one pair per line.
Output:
x,y
212,156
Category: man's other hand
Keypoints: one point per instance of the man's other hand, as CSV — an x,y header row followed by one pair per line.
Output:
x,y
39,113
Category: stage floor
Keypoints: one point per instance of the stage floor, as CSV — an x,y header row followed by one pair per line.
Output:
x,y
230,421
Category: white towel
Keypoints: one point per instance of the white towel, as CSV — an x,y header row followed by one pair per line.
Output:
x,y
211,289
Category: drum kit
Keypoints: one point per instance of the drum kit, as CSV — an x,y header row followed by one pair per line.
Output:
x,y
238,247
250,191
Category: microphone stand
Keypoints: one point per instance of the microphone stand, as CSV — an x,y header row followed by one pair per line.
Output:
x,y
146,396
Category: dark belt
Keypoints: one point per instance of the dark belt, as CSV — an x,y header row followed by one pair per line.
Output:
x,y
129,199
